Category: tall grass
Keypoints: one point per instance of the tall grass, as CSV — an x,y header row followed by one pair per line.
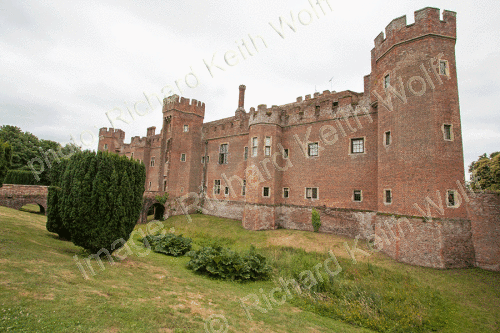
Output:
x,y
361,294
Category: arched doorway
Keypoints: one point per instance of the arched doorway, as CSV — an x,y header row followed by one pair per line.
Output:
x,y
156,212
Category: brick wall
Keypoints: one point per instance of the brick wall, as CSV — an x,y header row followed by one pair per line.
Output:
x,y
438,243
16,196
484,212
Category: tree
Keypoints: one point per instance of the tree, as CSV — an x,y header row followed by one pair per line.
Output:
x,y
5,159
32,154
485,172
98,202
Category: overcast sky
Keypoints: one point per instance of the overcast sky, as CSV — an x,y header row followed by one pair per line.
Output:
x,y
65,64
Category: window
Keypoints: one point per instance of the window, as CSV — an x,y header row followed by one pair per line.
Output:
x,y
387,81
226,190
312,149
183,157
311,193
203,160
223,154
149,186
357,146
451,199
152,161
387,140
388,196
447,132
285,153
286,192
335,104
186,128
443,67
105,146
245,153
357,196
266,192
164,185
208,159
244,187
267,148
317,111
255,143
217,186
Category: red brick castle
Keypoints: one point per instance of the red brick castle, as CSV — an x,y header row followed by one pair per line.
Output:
x,y
385,164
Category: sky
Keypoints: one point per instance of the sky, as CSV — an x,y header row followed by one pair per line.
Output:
x,y
70,68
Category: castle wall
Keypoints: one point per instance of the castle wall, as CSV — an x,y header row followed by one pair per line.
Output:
x,y
437,243
484,212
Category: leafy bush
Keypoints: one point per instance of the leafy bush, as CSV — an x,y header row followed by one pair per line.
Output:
x,y
5,159
168,244
100,199
226,264
316,220
21,177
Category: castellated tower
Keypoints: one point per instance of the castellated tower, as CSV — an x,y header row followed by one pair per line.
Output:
x,y
181,149
111,140
413,86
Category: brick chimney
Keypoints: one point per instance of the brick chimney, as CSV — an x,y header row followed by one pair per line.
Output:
x,y
241,102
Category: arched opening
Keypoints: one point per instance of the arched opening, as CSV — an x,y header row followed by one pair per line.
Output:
x,y
33,208
156,212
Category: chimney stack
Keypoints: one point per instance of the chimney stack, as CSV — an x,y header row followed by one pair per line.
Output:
x,y
241,103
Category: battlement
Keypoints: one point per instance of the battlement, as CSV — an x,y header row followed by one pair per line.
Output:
x,y
311,108
112,133
175,102
427,22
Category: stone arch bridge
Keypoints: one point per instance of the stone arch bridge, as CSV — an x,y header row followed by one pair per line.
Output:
x,y
16,196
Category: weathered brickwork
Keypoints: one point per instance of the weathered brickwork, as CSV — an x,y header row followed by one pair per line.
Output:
x,y
393,149
484,212
16,196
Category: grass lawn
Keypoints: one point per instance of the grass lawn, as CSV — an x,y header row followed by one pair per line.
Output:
x,y
43,290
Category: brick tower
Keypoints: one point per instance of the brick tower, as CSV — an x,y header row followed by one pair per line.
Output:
x,y
181,151
111,139
413,84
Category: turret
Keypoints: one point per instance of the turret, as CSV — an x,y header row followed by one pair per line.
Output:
x,y
180,168
413,85
110,139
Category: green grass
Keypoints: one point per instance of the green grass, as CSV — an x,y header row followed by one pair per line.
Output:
x,y
42,289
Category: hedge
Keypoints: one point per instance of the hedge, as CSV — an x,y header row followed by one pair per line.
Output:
x,y
20,177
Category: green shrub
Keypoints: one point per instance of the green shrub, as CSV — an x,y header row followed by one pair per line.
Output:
x,y
100,199
54,219
5,160
21,177
226,264
316,220
168,244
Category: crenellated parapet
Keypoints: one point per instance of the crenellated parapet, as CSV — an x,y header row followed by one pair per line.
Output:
x,y
182,104
112,133
427,23
311,108
264,115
